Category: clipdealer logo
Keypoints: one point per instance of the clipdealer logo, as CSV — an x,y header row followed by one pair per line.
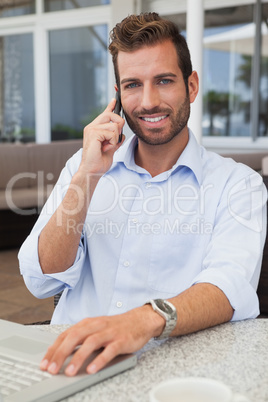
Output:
x,y
244,201
42,193
133,226
250,194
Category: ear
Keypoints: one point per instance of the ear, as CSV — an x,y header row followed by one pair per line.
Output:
x,y
193,86
116,88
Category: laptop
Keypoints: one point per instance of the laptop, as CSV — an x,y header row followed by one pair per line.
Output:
x,y
21,350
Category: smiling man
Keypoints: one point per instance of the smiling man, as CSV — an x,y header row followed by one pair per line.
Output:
x,y
153,238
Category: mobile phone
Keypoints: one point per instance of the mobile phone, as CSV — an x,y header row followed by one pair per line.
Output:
x,y
117,109
118,105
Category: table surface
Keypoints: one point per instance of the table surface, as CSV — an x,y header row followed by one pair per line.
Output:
x,y
235,353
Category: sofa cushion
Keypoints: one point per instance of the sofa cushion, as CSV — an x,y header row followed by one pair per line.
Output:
x,y
28,172
265,166
47,160
28,197
252,159
13,165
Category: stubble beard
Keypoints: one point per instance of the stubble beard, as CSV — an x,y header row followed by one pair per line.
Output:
x,y
155,136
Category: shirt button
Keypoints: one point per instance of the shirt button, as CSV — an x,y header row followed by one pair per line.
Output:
x,y
126,263
119,304
135,220
148,185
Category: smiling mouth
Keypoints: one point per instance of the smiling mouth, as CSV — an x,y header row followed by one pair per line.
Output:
x,y
154,119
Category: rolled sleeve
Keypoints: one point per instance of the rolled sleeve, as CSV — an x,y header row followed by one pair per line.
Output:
x,y
46,285
233,257
241,295
39,284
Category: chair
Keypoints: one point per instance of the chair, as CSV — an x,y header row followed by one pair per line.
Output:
x,y
47,322
262,290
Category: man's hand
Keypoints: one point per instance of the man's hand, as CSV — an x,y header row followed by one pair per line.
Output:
x,y
101,141
119,334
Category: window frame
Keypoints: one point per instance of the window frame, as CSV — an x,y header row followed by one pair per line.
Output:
x,y
39,25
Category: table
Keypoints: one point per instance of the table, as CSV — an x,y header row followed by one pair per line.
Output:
x,y
235,353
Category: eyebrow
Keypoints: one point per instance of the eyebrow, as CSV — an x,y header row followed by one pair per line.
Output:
x,y
163,75
125,80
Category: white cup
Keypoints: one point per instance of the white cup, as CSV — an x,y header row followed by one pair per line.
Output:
x,y
194,389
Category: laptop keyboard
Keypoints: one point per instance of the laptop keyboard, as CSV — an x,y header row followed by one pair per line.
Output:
x,y
16,375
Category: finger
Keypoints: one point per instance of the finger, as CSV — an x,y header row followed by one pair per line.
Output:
x,y
104,118
111,146
51,351
107,355
64,345
108,133
92,343
103,130
111,105
111,126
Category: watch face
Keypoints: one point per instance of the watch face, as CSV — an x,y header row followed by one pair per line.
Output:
x,y
163,306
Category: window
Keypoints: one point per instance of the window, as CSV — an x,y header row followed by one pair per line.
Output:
x,y
53,70
17,118
180,20
57,5
78,79
228,52
13,8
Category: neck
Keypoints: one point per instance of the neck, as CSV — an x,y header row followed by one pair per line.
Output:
x,y
157,159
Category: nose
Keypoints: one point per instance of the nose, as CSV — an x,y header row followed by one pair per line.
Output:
x,y
150,97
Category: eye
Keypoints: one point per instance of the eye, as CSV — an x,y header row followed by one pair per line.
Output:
x,y
132,85
165,81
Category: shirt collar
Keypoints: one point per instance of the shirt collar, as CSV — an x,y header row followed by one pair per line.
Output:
x,y
125,153
190,157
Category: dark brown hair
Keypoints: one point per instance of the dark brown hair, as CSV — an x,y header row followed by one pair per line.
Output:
x,y
136,31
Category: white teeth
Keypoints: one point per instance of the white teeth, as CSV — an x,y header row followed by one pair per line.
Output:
x,y
153,120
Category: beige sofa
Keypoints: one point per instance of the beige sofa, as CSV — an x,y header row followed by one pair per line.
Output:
x,y
253,159
28,173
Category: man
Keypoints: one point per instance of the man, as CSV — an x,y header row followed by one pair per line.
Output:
x,y
156,218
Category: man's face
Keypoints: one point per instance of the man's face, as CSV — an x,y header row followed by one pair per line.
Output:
x,y
153,93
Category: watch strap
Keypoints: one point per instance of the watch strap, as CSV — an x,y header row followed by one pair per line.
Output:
x,y
168,311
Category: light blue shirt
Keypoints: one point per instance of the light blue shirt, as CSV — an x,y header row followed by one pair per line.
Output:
x,y
147,237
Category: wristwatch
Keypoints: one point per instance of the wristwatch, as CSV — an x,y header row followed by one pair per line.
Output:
x,y
168,312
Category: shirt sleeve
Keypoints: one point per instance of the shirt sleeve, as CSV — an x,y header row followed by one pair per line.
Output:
x,y
234,255
39,284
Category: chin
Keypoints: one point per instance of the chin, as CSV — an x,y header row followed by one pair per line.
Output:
x,y
157,138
